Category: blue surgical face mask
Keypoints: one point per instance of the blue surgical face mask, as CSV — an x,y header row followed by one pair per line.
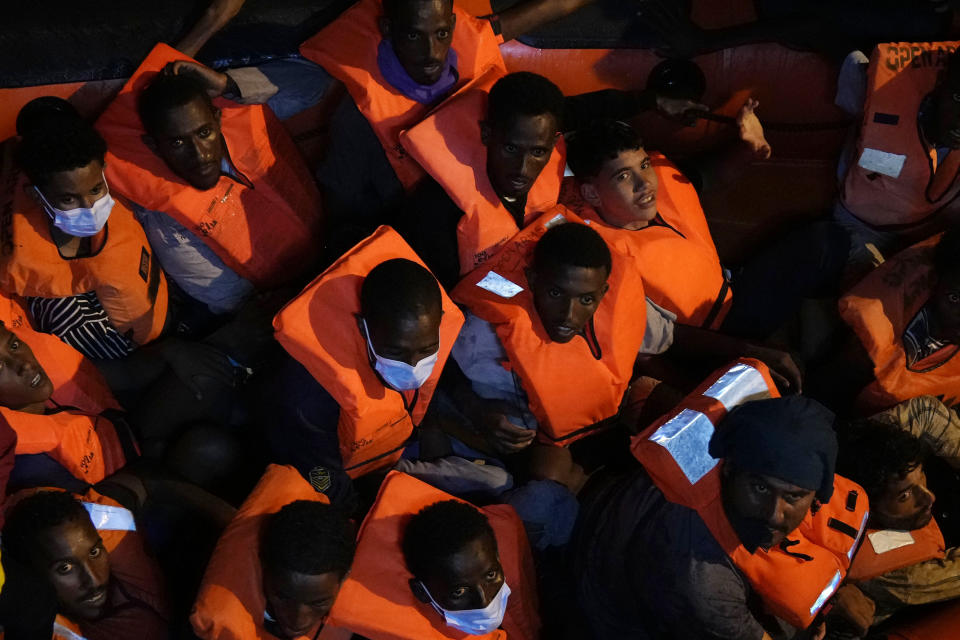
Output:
x,y
475,621
400,375
81,222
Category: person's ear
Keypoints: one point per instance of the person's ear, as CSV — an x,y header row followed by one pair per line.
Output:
x,y
589,193
531,276
384,24
603,290
453,22
216,115
149,140
485,132
418,591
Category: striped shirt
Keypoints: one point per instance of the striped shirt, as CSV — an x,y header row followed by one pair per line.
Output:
x,y
82,323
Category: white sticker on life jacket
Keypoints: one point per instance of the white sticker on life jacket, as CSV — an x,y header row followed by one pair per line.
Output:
x,y
496,283
106,517
889,539
687,437
889,164
742,383
555,220
826,594
567,171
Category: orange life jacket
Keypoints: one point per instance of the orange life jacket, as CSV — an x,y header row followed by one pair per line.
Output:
x,y
379,580
347,49
90,447
677,259
264,226
230,603
76,381
938,625
674,451
878,309
924,544
573,386
124,273
319,329
447,144
888,182
129,559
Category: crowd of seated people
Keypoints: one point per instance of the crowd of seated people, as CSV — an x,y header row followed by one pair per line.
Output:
x,y
479,373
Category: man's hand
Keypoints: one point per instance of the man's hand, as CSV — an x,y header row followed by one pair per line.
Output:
x,y
751,131
504,436
854,607
783,369
680,109
196,363
213,81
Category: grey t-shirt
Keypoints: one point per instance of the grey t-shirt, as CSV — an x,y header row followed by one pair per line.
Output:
x,y
651,569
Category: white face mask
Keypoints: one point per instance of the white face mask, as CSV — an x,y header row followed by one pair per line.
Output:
x,y
475,621
400,375
81,222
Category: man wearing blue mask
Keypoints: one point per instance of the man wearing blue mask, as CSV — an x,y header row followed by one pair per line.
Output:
x,y
369,339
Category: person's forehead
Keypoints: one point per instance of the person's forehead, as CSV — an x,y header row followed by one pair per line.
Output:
x,y
632,158
899,483
72,538
535,130
779,485
79,179
477,557
186,118
305,587
423,13
573,278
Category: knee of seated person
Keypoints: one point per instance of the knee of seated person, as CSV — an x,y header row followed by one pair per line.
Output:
x,y
548,462
451,550
306,550
207,455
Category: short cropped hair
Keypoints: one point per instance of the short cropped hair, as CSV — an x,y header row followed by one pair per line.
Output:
x,y
439,531
872,453
307,537
523,94
599,142
946,257
54,138
398,288
33,515
167,92
571,245
393,7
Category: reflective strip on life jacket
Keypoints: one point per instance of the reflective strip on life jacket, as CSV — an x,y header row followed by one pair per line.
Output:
x,y
347,50
448,146
571,387
108,517
375,421
379,579
878,309
676,257
62,630
124,273
264,225
893,167
675,453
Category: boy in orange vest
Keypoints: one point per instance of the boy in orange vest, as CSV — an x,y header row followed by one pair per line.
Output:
x,y
904,559
619,184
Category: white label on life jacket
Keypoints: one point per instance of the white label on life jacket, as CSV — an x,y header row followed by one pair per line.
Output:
x,y
889,539
106,517
496,283
889,164
826,593
741,383
687,437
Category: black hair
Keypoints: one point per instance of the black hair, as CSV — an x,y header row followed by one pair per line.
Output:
x,y
439,531
523,94
571,245
54,138
392,7
33,515
165,93
873,452
602,140
307,537
946,257
399,287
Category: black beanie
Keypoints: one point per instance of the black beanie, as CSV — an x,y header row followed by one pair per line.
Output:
x,y
789,438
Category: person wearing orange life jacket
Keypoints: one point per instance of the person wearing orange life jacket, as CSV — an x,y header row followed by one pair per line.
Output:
x,y
490,152
556,323
740,531
899,177
905,321
438,568
370,336
904,559
91,554
644,205
398,59
77,255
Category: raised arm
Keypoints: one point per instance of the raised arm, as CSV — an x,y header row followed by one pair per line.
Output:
x,y
214,18
527,15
